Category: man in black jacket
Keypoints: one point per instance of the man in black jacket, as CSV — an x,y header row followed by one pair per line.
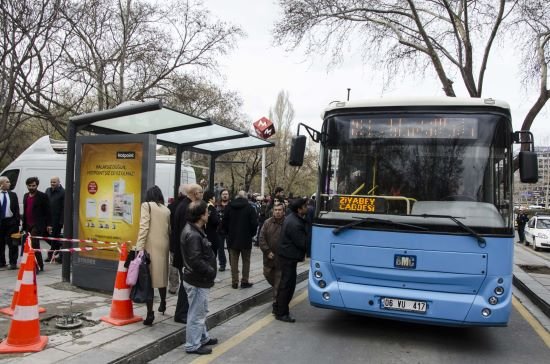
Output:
x,y
241,222
293,246
36,215
9,223
56,196
194,193
199,272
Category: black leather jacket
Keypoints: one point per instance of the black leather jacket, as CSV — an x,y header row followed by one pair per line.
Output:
x,y
294,241
199,262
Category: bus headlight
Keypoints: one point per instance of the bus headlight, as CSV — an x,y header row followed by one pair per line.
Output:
x,y
499,290
318,274
326,296
493,300
486,312
322,284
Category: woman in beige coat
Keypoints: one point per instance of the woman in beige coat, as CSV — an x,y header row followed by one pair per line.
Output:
x,y
154,232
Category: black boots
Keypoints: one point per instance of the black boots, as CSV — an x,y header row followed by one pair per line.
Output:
x,y
149,320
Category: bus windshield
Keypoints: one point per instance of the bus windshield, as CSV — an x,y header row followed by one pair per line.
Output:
x,y
414,164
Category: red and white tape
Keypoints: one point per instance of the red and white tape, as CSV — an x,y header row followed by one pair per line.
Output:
x,y
84,249
88,241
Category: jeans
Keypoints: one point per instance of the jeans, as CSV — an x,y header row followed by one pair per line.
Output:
x,y
196,334
182,305
221,251
521,234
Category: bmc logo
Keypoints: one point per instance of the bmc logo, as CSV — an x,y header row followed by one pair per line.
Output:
x,y
125,155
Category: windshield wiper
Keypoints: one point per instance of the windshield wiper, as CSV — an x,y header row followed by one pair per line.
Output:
x,y
339,229
480,239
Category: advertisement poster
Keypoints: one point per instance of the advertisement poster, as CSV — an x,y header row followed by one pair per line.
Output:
x,y
109,195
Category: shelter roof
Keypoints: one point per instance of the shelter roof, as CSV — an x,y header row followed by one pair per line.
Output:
x,y
173,128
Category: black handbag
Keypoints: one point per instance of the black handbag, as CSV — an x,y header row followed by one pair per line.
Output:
x,y
142,291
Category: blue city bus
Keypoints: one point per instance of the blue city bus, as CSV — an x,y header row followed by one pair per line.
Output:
x,y
414,212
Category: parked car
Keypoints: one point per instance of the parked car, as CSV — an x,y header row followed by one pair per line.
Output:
x,y
537,232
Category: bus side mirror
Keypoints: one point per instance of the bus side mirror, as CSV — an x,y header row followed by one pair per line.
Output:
x,y
297,150
528,167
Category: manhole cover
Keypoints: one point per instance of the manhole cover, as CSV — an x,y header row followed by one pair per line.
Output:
x,y
68,321
538,269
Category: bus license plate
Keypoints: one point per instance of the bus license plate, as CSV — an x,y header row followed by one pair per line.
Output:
x,y
403,305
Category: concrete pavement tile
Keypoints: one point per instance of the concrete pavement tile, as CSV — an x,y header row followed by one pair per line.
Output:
x,y
47,356
97,313
171,322
539,275
172,357
544,281
61,338
131,328
92,356
545,296
91,341
129,343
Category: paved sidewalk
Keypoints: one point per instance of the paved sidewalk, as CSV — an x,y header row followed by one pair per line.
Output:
x,y
532,278
99,342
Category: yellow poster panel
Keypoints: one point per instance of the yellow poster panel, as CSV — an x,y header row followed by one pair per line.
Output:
x,y
110,195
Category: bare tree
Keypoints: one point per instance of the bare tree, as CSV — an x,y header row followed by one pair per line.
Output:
x,y
132,49
28,51
534,27
411,36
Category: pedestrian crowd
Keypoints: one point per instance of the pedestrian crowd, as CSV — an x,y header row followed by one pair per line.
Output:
x,y
185,243
42,215
188,239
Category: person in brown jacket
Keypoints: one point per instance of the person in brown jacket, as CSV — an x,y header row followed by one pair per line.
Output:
x,y
153,236
269,240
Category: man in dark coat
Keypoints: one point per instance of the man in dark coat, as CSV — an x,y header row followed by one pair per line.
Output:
x,y
173,275
56,196
522,220
240,221
293,246
269,243
36,215
9,223
199,272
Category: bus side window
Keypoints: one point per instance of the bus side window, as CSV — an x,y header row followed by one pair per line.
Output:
x,y
13,175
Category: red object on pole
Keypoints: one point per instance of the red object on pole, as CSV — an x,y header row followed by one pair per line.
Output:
x,y
264,127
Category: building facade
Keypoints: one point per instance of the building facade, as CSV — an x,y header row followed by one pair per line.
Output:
x,y
534,194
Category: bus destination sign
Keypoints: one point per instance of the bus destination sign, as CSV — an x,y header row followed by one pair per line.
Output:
x,y
414,127
355,204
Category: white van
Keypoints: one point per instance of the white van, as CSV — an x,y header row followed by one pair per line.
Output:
x,y
47,157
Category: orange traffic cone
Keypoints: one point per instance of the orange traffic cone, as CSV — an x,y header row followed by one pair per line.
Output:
x,y
9,310
24,334
122,309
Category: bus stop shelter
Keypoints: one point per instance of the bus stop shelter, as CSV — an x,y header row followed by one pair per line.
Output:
x,y
172,128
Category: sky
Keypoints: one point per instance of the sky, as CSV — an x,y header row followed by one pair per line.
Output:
x,y
259,70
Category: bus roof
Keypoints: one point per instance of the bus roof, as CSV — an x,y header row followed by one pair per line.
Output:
x,y
417,101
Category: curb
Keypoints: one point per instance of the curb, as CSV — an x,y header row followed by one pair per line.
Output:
x,y
176,339
540,303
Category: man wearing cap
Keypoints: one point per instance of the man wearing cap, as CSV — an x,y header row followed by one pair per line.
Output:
x,y
293,246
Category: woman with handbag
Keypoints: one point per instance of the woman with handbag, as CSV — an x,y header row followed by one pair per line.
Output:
x,y
153,237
